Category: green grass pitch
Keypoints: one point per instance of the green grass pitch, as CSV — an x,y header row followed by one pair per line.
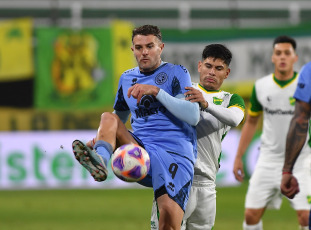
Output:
x,y
117,209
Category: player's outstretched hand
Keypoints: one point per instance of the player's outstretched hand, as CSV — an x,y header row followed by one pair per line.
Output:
x,y
195,95
139,90
238,170
289,186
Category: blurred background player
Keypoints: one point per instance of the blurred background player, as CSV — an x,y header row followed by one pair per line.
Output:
x,y
220,111
162,122
273,96
298,133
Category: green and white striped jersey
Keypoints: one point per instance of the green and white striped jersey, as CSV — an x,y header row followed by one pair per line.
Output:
x,y
223,109
274,98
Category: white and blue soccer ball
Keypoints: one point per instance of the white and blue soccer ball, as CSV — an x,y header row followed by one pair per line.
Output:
x,y
130,162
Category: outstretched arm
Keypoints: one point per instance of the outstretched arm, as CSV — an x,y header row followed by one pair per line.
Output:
x,y
231,116
180,108
295,141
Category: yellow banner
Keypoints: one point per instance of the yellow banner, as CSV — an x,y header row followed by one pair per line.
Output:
x,y
31,119
123,57
16,56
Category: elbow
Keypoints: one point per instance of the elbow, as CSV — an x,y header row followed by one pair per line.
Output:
x,y
235,122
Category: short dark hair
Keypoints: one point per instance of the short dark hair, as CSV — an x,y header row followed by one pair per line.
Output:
x,y
147,30
217,51
285,39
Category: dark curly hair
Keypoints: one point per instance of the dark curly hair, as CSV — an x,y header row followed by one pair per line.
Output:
x,y
147,30
217,51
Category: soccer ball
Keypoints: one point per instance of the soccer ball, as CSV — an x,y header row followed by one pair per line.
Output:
x,y
130,162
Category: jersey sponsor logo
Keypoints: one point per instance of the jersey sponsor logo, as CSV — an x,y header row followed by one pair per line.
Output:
x,y
148,106
217,101
161,78
279,112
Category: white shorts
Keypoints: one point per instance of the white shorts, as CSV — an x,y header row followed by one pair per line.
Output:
x,y
200,211
264,188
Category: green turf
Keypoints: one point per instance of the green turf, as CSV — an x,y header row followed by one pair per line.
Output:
x,y
230,211
116,209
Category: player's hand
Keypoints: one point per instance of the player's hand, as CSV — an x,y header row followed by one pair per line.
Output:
x,y
139,90
289,186
238,170
195,95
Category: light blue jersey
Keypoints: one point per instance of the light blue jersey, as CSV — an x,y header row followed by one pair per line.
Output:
x,y
303,90
152,123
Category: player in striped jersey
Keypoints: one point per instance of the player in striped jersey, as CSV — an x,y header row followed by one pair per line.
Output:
x,y
273,96
220,111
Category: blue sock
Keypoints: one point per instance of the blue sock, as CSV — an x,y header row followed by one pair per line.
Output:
x,y
104,149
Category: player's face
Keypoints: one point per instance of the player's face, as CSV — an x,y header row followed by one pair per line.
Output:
x,y
212,73
284,57
147,51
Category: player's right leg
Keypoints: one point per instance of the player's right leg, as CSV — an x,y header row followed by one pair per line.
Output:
x,y
111,134
253,219
90,160
261,194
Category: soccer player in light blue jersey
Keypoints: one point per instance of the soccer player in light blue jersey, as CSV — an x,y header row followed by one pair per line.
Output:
x,y
163,122
297,133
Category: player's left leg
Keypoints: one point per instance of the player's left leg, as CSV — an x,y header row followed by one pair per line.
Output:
x,y
172,176
200,213
154,223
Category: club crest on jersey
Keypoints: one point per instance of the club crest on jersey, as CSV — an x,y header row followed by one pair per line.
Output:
x,y
161,78
217,101
292,101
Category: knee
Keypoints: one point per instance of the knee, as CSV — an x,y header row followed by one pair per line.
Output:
x,y
108,117
108,123
252,216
